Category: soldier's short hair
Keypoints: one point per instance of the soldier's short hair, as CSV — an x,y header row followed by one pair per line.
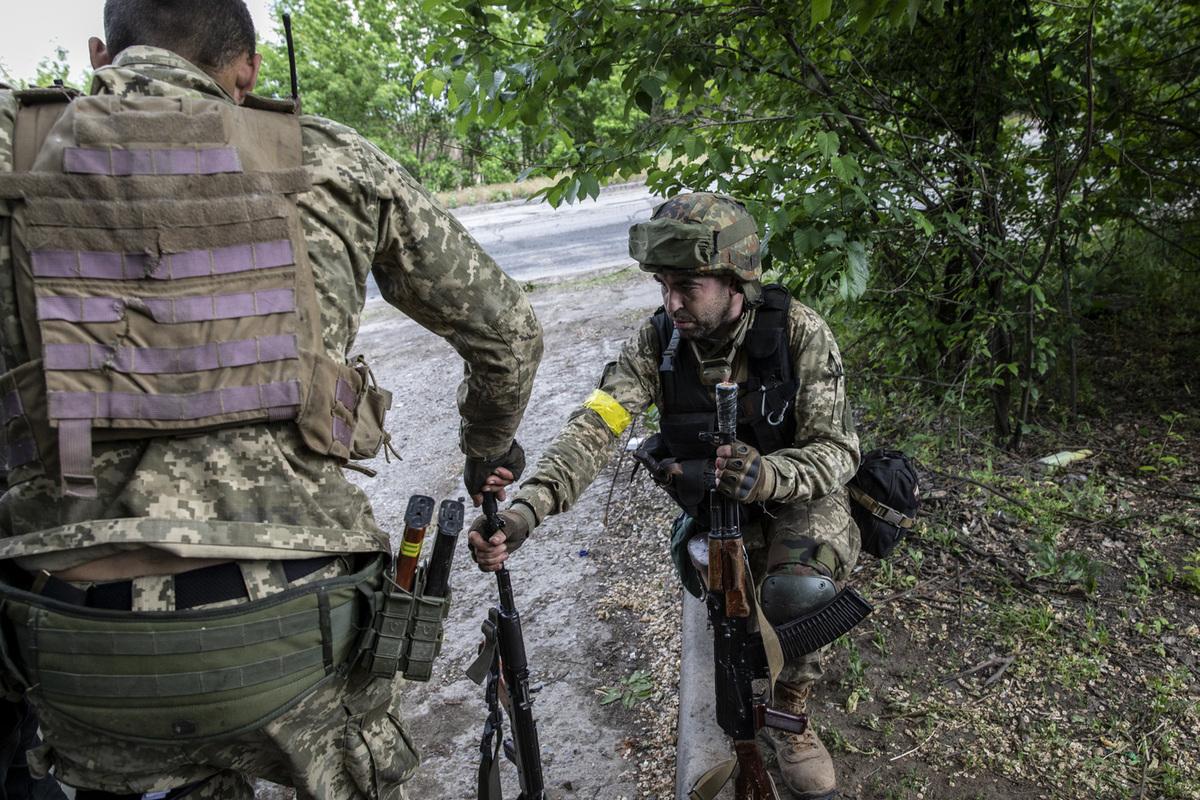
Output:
x,y
210,34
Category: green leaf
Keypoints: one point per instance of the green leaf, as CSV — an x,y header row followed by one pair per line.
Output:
x,y
589,186
821,10
857,271
828,143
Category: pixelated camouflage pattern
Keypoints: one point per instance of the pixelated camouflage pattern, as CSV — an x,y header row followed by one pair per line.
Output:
x,y
365,214
716,211
342,742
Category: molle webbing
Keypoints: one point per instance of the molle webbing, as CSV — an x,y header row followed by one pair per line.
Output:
x,y
118,129
163,277
150,360
188,682
229,187
161,161
111,266
198,405
185,676
168,311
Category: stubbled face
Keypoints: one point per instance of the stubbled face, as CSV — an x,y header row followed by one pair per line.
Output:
x,y
699,305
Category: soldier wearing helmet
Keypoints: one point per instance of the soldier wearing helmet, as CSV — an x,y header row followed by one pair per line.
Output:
x,y
796,445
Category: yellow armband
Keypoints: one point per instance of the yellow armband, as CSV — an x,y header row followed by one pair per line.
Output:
x,y
614,415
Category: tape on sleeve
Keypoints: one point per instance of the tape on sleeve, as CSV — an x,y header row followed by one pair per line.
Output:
x,y
614,415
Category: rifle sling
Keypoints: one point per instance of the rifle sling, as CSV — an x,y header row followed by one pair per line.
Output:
x,y
710,784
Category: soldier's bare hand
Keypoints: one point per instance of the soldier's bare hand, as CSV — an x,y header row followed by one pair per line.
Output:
x,y
491,553
497,482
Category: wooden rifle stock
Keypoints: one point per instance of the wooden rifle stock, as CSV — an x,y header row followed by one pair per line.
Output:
x,y
726,562
753,782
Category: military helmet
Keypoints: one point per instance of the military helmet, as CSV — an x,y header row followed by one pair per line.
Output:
x,y
702,232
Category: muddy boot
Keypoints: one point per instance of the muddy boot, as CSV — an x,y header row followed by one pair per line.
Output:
x,y
804,762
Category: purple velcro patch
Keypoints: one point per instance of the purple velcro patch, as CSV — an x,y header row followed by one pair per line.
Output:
x,y
277,348
341,431
275,301
72,405
189,264
164,161
106,266
237,258
68,356
54,263
81,309
218,159
129,405
344,394
87,161
132,162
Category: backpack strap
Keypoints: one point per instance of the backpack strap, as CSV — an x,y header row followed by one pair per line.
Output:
x,y
878,509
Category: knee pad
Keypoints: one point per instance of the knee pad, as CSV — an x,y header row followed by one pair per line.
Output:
x,y
787,597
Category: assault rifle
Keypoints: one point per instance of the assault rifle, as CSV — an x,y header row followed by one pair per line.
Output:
x,y
739,658
739,654
503,665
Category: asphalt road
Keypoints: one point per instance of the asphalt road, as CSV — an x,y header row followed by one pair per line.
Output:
x,y
532,240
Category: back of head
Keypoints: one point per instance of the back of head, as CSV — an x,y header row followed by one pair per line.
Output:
x,y
209,33
701,232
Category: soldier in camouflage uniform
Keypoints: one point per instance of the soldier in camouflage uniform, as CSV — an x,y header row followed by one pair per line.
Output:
x,y
158,514
718,322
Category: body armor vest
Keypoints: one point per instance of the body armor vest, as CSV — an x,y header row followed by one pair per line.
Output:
x,y
765,413
161,275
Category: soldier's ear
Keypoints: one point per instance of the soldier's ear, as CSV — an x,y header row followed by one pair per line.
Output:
x,y
245,76
98,53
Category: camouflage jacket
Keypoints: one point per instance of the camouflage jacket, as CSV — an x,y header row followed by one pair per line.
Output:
x,y
247,491
824,457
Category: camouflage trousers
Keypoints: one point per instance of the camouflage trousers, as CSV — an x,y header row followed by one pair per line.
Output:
x,y
803,534
345,741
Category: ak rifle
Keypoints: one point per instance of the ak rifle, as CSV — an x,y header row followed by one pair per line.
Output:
x,y
739,658
502,663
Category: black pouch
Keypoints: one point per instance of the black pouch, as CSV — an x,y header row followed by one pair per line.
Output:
x,y
886,497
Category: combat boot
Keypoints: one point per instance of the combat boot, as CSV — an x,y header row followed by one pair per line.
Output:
x,y
804,763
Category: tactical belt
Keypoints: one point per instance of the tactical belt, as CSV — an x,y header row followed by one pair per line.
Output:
x,y
198,587
184,676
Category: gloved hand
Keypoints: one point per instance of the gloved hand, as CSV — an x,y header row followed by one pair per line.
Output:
x,y
490,552
477,470
743,474
654,458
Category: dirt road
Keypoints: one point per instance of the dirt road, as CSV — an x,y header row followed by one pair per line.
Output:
x,y
555,574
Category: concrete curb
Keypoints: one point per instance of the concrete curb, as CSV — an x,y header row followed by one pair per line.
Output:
x,y
700,744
